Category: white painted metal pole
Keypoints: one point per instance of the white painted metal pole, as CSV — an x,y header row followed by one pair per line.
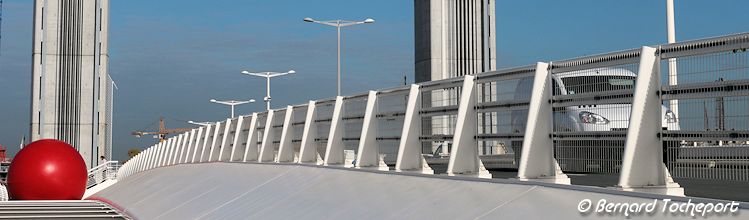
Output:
x,y
672,78
338,24
339,58
267,92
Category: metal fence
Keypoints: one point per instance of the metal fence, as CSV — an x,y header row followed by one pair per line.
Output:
x,y
502,109
704,130
592,99
709,136
438,112
101,173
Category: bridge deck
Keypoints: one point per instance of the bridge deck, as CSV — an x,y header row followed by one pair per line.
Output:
x,y
287,191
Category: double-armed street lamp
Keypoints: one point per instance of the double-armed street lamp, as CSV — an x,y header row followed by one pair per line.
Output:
x,y
200,123
232,103
339,24
267,76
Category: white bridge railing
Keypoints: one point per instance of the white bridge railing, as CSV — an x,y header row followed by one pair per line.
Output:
x,y
602,114
103,172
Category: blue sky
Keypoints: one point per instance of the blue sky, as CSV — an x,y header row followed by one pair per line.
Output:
x,y
170,57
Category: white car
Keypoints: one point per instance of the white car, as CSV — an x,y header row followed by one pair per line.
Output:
x,y
604,117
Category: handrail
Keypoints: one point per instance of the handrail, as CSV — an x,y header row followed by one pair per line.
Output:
x,y
102,172
103,165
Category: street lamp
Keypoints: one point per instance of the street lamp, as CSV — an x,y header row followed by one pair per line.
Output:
x,y
232,103
671,32
200,123
267,76
339,24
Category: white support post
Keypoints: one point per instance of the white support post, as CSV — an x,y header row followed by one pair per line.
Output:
x,y
139,162
206,141
308,149
182,150
197,145
184,146
169,151
266,149
250,149
164,150
642,165
368,154
235,141
335,147
177,148
537,161
155,155
160,152
464,157
146,158
184,158
136,165
224,151
409,148
214,141
151,156
139,165
285,148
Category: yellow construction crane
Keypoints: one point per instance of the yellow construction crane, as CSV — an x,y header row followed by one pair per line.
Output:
x,y
162,132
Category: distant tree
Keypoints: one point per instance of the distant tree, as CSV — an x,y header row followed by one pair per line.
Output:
x,y
132,152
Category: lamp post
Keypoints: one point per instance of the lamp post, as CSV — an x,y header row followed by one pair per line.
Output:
x,y
232,103
339,24
199,123
267,76
111,116
671,31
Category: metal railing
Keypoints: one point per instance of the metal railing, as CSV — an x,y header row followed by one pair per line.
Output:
x,y
472,121
709,137
101,173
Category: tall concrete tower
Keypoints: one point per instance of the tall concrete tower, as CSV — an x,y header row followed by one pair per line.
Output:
x,y
454,38
69,75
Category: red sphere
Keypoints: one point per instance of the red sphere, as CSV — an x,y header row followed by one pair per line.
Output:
x,y
47,170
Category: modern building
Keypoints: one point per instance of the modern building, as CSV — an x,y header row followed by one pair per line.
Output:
x,y
69,76
454,38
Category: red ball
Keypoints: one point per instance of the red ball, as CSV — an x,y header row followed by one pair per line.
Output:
x,y
47,170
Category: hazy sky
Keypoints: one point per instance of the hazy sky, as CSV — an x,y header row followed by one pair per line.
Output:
x,y
170,57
